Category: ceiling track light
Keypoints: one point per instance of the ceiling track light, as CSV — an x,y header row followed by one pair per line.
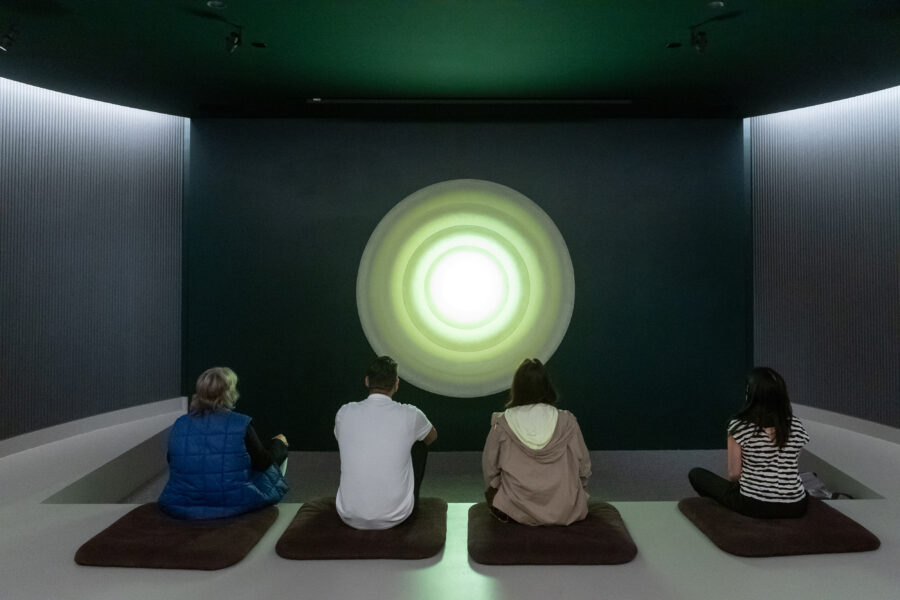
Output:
x,y
475,101
7,39
699,40
233,40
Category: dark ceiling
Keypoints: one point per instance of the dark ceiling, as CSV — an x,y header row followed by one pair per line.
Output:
x,y
455,58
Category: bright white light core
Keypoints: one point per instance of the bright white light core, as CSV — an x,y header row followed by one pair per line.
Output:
x,y
466,287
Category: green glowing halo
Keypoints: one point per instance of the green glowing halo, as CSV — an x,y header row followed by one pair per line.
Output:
x,y
462,280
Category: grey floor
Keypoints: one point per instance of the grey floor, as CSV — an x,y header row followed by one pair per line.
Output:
x,y
674,562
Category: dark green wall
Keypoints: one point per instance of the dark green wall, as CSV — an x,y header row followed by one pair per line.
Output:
x,y
277,214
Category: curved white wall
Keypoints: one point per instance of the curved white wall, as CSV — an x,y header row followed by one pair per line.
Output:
x,y
90,257
826,223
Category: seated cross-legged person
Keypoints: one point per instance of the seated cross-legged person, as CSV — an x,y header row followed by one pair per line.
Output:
x,y
383,448
218,467
535,462
764,444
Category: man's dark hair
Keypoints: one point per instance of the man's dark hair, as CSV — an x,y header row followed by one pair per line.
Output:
x,y
382,374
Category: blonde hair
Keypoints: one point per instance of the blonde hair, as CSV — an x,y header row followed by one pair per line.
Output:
x,y
216,390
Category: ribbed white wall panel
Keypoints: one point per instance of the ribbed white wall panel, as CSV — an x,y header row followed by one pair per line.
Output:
x,y
90,257
826,222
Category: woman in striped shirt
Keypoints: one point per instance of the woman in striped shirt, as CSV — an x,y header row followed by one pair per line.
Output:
x,y
764,443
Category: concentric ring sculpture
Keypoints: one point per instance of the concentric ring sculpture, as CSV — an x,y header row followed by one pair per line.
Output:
x,y
460,282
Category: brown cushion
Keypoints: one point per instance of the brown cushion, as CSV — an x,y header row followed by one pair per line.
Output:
x,y
600,539
147,537
822,530
317,532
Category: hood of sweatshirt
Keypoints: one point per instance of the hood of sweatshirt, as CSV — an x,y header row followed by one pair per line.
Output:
x,y
533,424
555,446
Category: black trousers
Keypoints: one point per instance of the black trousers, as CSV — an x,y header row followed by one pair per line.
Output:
x,y
419,453
498,514
728,494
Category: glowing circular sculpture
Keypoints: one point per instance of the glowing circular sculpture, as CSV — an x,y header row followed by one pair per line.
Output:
x,y
461,281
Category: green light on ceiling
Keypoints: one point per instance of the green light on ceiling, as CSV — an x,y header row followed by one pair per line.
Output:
x,y
462,280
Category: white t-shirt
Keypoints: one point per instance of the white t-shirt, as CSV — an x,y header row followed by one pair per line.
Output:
x,y
375,437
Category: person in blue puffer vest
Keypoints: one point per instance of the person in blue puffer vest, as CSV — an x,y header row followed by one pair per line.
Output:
x,y
218,467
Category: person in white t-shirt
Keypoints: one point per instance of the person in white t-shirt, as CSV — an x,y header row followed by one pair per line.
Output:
x,y
383,446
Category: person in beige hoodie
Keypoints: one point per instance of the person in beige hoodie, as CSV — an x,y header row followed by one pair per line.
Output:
x,y
535,462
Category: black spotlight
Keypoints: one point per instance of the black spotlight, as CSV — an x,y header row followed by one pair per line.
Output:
x,y
233,41
7,39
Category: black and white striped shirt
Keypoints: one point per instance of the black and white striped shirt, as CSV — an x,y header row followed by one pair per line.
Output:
x,y
769,473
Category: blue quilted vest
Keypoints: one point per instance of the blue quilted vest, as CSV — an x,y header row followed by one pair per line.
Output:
x,y
210,476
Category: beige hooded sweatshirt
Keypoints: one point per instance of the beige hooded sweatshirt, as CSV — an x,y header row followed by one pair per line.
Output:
x,y
538,486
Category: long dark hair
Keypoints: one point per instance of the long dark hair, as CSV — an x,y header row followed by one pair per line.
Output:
x,y
767,404
531,384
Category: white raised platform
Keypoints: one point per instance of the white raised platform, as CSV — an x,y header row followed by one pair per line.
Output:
x,y
675,561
